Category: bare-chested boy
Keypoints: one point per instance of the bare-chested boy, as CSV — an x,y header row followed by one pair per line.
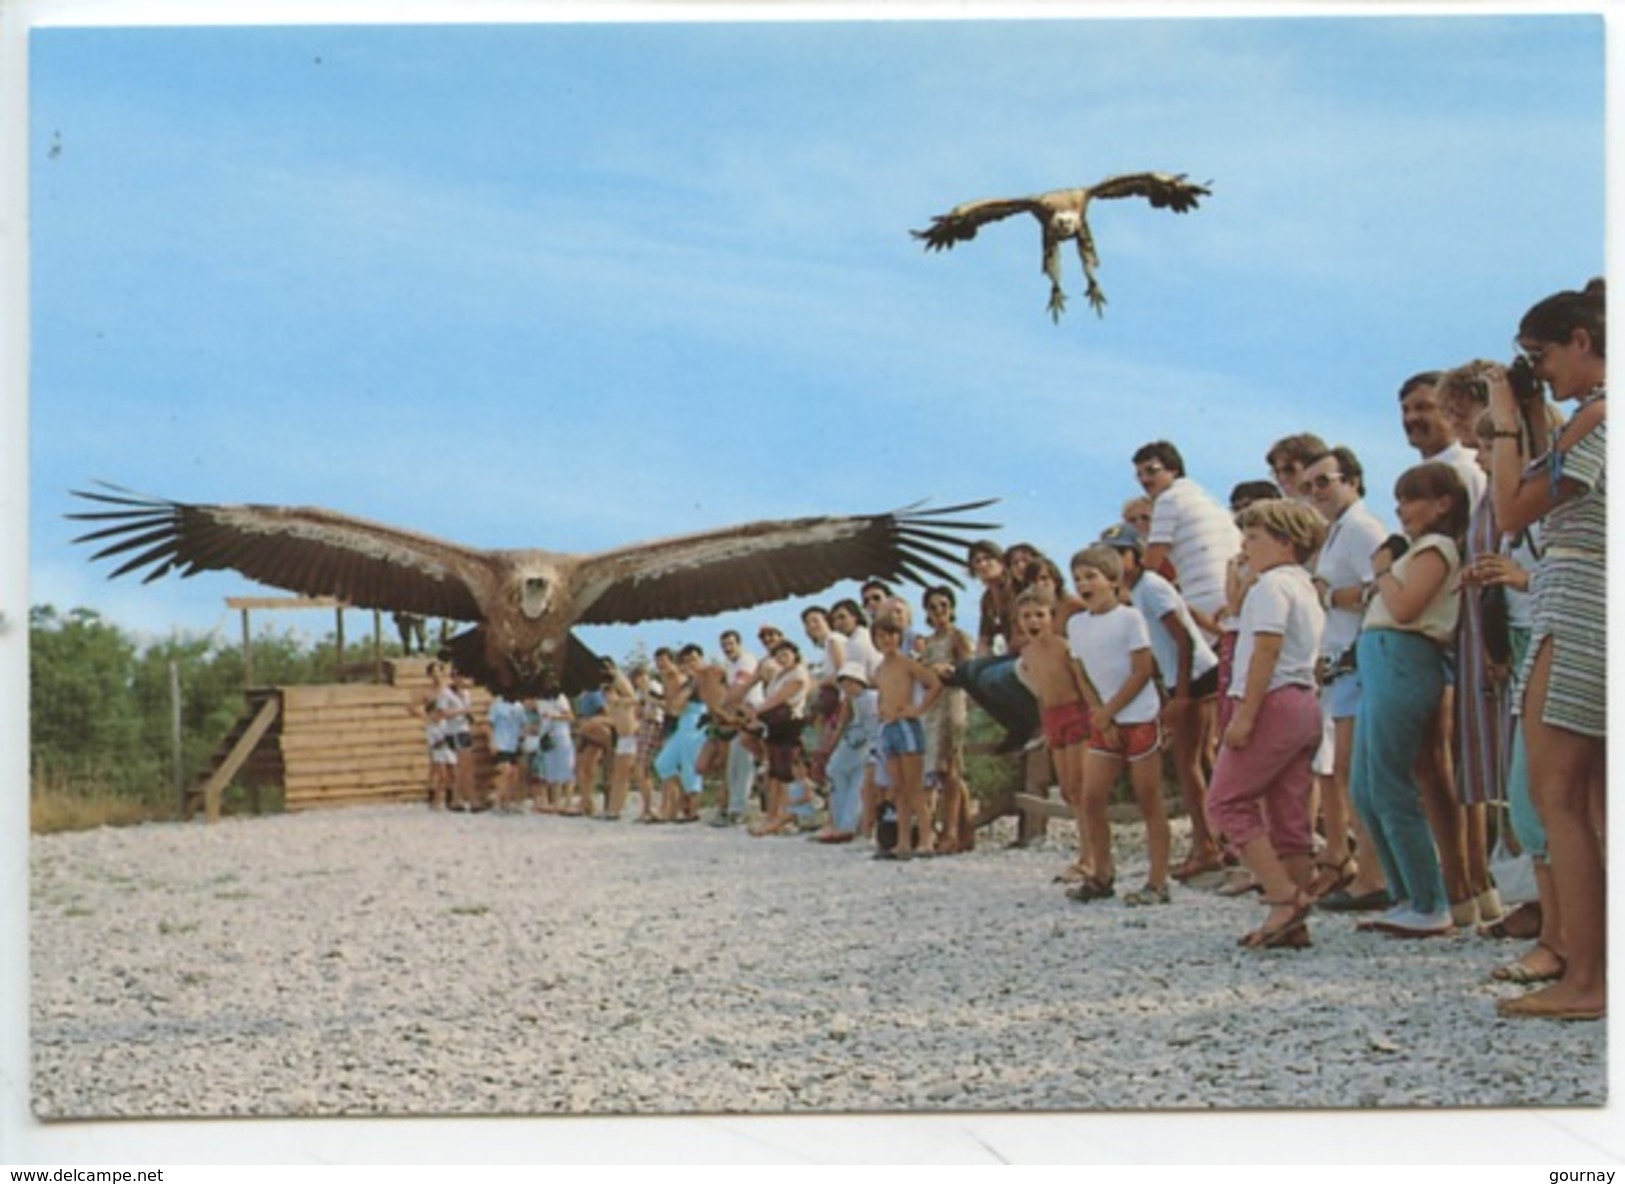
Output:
x,y
1050,672
907,688
621,710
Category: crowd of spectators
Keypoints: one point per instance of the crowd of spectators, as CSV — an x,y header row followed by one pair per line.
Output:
x,y
1398,721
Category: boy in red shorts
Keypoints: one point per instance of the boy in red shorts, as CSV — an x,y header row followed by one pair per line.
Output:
x,y
1047,669
1113,644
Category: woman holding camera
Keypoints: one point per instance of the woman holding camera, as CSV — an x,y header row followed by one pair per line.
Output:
x,y
1562,684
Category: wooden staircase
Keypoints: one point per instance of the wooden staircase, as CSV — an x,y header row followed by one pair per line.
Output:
x,y
334,744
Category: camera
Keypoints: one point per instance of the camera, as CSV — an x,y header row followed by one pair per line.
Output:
x,y
1525,386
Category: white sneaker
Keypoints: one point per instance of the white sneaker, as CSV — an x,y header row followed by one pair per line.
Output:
x,y
1410,923
1398,910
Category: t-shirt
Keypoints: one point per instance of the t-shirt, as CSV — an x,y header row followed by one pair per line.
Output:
x,y
1465,461
1344,561
859,648
1155,597
507,723
1105,644
1282,601
1443,612
450,699
742,670
1201,537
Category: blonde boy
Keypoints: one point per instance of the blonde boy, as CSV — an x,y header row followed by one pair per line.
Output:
x,y
1259,800
902,737
1047,669
1112,643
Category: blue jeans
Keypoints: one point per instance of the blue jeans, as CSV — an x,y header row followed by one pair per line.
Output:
x,y
845,769
1401,681
740,774
993,683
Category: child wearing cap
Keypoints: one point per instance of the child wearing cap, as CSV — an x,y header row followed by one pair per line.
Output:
x,y
847,758
1114,646
1259,800
1188,683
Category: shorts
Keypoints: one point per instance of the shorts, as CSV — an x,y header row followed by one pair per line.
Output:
x,y
1135,741
1202,689
1340,698
781,760
902,737
463,739
1066,725
626,745
444,754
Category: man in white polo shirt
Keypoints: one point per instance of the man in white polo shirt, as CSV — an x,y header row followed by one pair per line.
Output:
x,y
1188,526
1429,431
1334,483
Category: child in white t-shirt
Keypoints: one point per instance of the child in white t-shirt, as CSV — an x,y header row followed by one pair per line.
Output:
x,y
1260,797
1112,643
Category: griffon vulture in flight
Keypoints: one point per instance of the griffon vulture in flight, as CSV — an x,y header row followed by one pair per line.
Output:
x,y
523,603
1063,214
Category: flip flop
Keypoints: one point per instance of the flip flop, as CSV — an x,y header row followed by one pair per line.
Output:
x,y
1524,975
1529,1007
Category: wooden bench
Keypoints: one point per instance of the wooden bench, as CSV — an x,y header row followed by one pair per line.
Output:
x,y
1035,812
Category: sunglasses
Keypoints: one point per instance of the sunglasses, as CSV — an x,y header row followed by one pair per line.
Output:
x,y
1533,356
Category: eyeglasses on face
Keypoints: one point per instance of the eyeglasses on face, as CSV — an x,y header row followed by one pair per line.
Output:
x,y
1320,482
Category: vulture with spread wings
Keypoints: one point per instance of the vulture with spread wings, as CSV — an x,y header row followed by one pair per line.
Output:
x,y
1062,214
523,603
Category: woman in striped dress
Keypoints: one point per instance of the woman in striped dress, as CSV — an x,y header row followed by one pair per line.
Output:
x,y
1562,682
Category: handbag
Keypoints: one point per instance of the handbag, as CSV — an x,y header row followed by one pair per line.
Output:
x,y
1513,874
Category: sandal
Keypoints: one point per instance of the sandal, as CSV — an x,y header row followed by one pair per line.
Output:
x,y
1333,877
1533,1007
1522,922
1149,894
1281,934
1525,975
1197,863
1092,889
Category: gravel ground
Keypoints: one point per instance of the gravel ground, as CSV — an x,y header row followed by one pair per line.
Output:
x,y
399,961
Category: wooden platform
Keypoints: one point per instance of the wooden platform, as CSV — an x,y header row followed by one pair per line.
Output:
x,y
336,744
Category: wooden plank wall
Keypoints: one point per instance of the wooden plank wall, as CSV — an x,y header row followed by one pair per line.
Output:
x,y
361,744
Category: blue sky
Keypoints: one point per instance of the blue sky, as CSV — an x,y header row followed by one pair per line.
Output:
x,y
574,285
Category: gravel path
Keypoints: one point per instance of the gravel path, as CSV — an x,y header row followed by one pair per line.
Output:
x,y
398,961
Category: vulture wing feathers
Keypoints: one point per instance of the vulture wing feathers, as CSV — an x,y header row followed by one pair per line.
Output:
x,y
309,551
960,224
715,571
1165,191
